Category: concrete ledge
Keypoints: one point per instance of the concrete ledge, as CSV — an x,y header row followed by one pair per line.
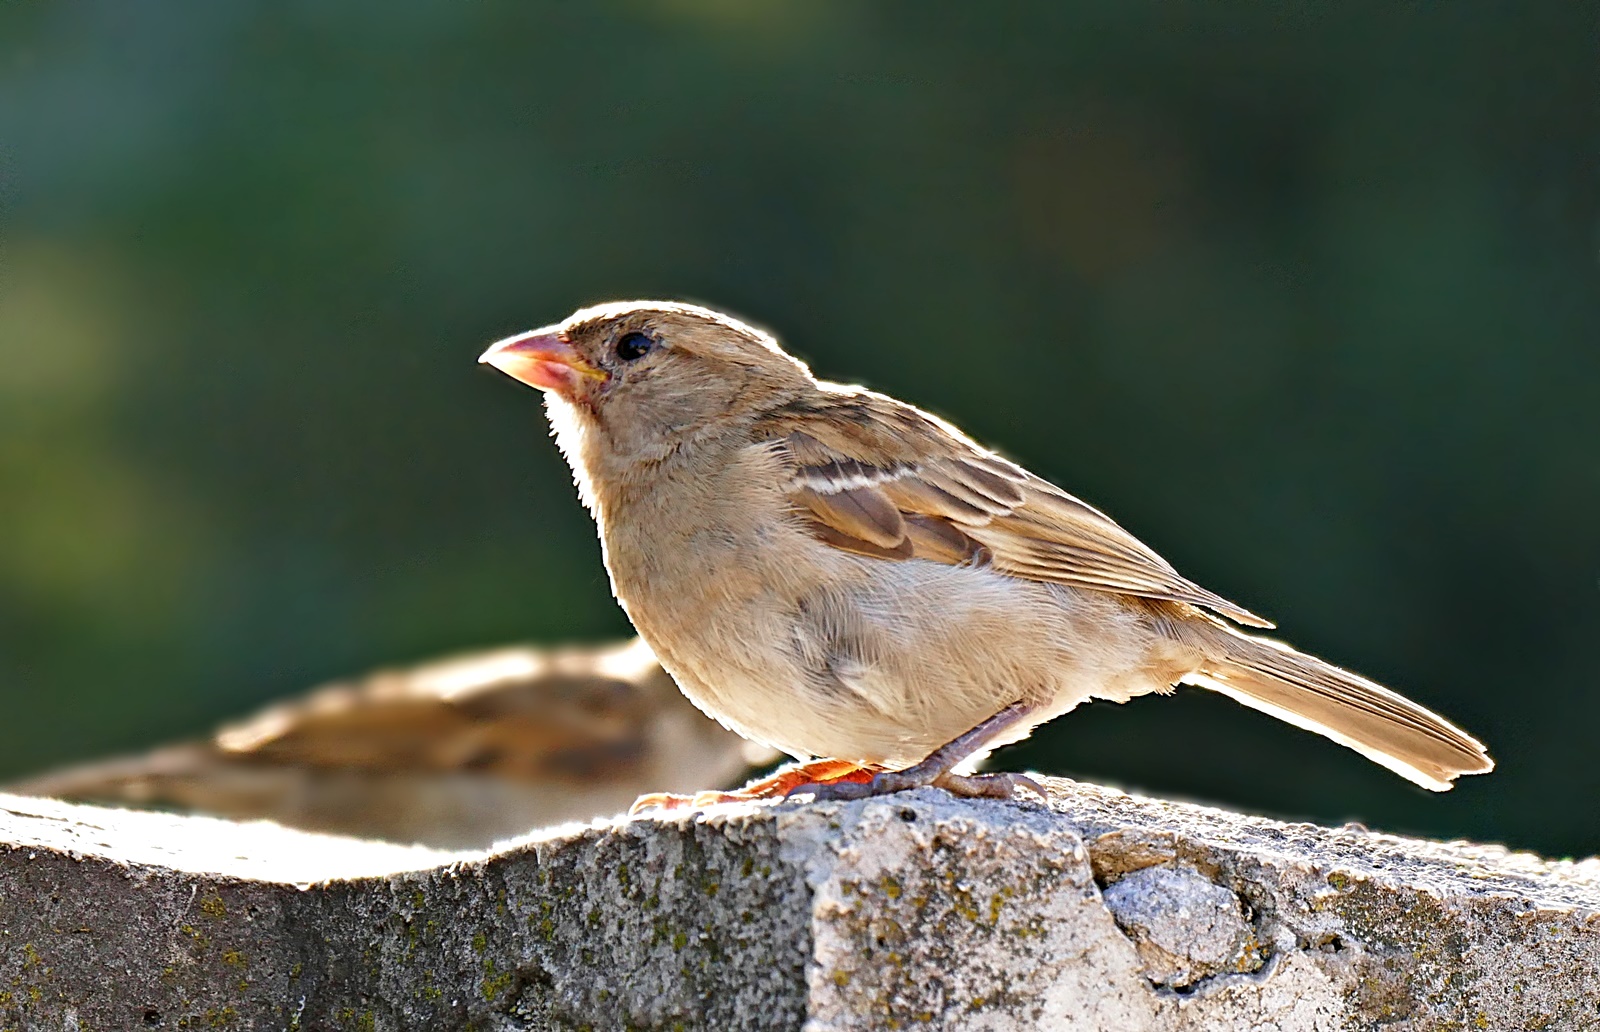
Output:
x,y
1104,911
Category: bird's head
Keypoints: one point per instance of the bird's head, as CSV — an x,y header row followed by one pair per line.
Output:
x,y
649,374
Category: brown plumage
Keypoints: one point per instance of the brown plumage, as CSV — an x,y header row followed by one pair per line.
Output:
x,y
839,574
866,466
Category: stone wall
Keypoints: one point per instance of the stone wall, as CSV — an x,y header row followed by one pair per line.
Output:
x,y
1102,911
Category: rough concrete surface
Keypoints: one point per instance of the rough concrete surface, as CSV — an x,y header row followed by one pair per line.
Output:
x,y
1102,911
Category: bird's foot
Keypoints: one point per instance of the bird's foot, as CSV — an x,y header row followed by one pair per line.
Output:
x,y
995,785
936,769
999,785
777,785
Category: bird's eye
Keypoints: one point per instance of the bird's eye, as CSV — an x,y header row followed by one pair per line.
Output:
x,y
634,345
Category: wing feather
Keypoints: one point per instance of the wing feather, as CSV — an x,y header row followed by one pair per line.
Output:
x,y
877,477
862,513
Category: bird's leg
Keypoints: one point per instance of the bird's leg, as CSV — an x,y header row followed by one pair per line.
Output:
x,y
936,769
776,785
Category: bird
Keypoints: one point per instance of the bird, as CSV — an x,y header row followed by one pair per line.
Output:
x,y
456,752
856,583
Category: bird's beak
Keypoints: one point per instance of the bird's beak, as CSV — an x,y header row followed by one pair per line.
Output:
x,y
543,359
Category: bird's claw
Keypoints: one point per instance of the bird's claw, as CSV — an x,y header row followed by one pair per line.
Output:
x,y
776,786
697,801
659,801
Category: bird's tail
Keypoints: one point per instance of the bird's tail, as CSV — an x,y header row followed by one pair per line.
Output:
x,y
1386,728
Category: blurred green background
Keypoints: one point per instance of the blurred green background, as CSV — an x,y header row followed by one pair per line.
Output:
x,y
1307,299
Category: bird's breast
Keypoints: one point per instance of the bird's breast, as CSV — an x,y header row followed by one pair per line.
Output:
x,y
817,651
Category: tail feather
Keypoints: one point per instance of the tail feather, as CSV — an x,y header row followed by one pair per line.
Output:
x,y
1381,725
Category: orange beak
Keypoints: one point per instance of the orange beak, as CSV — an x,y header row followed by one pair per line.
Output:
x,y
543,359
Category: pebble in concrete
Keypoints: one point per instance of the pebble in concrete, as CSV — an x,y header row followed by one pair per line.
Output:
x,y
1184,927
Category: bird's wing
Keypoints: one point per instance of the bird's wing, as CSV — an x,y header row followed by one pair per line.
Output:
x,y
875,476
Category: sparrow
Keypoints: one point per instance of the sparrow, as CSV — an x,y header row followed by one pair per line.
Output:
x,y
453,753
856,583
